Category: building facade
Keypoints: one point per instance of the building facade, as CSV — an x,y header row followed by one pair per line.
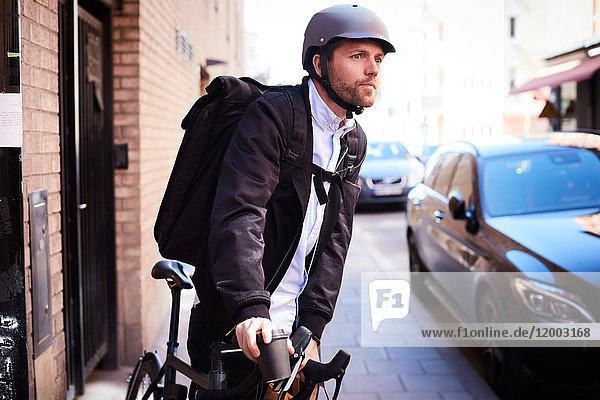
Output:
x,y
104,85
555,71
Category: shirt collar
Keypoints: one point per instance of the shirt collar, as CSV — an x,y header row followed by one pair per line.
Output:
x,y
322,114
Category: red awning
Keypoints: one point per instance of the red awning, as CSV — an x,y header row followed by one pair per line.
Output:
x,y
583,71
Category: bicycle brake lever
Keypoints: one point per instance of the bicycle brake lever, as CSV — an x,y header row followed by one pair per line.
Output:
x,y
295,370
300,341
338,385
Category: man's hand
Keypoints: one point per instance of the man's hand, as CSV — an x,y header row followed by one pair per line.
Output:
x,y
312,353
246,335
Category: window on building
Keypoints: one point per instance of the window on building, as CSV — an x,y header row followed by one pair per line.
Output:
x,y
596,16
568,105
441,30
9,47
512,77
183,44
513,23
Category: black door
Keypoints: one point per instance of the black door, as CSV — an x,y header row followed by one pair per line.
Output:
x,y
88,200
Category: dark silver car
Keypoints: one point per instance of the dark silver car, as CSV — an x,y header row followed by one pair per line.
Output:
x,y
388,173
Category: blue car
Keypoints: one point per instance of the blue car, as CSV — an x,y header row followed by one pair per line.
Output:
x,y
388,173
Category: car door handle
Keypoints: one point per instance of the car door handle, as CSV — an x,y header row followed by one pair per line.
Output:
x,y
439,216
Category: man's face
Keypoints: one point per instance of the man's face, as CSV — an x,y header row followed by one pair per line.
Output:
x,y
354,71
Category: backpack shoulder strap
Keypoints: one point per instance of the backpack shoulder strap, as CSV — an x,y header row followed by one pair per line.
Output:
x,y
355,141
298,134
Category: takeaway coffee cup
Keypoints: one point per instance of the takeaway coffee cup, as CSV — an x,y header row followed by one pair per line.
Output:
x,y
274,359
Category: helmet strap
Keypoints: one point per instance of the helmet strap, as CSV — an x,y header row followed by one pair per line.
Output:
x,y
324,81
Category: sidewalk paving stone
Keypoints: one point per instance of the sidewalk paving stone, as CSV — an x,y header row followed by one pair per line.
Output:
x,y
357,353
409,367
356,396
436,367
413,353
457,396
428,383
357,367
409,396
371,383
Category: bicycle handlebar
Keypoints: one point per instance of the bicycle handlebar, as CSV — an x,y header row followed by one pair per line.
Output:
x,y
314,372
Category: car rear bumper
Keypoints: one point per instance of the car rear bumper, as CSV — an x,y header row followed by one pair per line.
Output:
x,y
369,196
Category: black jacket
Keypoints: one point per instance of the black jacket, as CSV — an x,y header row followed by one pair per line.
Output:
x,y
257,220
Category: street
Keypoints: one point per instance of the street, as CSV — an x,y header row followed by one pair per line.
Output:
x,y
379,244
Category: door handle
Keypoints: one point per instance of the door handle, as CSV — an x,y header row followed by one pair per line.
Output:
x,y
439,216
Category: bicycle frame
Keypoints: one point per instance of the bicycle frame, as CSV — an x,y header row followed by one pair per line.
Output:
x,y
216,379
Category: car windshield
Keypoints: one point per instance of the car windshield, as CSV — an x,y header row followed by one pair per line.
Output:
x,y
547,181
382,150
428,150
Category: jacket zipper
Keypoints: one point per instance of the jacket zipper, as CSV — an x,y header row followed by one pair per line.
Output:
x,y
283,261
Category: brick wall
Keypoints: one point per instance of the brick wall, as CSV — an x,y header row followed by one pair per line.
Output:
x,y
155,84
41,170
126,73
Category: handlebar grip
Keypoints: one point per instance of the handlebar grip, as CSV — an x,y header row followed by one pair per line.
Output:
x,y
316,372
319,372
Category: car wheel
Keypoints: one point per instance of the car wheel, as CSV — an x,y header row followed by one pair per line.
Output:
x,y
415,265
499,363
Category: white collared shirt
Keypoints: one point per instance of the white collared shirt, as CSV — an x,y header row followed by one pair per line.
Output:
x,y
327,133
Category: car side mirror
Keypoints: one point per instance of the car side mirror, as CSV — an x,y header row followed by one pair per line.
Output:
x,y
457,205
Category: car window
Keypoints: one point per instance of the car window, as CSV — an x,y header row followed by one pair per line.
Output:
x,y
462,181
444,173
432,169
546,181
383,150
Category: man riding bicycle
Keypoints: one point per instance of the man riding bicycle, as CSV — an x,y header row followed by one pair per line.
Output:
x,y
279,234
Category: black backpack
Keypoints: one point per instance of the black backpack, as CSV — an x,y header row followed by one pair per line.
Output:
x,y
183,222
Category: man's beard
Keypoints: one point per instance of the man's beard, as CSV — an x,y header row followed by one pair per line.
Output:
x,y
349,91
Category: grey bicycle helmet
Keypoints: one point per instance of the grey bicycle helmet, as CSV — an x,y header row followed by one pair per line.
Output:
x,y
344,21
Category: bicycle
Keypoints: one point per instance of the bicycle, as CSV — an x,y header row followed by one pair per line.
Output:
x,y
147,376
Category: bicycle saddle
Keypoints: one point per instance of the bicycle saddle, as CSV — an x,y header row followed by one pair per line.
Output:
x,y
173,271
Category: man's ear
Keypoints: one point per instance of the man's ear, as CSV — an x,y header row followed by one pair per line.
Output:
x,y
316,60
